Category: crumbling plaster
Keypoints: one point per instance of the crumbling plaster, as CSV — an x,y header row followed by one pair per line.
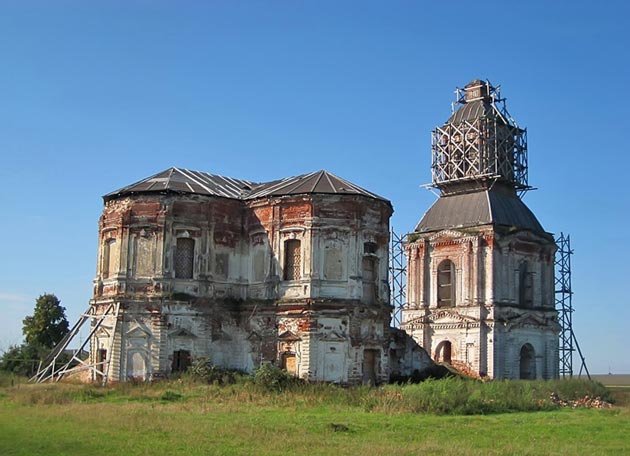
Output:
x,y
330,323
488,324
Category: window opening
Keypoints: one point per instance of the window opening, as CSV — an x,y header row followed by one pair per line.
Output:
x,y
292,259
445,284
184,257
369,248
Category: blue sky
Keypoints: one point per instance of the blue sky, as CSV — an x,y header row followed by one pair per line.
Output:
x,y
96,95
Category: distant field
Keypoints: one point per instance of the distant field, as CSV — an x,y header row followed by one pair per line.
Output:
x,y
613,380
190,419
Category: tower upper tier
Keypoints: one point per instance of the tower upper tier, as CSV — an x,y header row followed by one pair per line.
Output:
x,y
480,144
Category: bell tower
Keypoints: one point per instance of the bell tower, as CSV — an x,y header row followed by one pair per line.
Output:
x,y
480,284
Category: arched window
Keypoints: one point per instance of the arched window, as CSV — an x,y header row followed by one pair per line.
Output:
x,y
446,284
527,363
184,258
292,259
525,285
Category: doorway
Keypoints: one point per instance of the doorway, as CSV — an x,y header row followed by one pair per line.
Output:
x,y
289,363
443,352
371,363
527,363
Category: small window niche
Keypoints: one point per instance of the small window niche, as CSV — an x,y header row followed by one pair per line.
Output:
x,y
525,285
333,263
369,270
110,265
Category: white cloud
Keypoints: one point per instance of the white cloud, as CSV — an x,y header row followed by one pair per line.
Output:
x,y
13,297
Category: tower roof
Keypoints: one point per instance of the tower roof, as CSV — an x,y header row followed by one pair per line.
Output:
x,y
475,109
485,207
179,180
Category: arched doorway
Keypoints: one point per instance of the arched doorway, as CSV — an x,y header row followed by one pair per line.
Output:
x,y
443,352
527,363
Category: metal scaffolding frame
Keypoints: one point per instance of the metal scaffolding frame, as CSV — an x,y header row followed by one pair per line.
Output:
x,y
564,305
397,276
485,147
54,369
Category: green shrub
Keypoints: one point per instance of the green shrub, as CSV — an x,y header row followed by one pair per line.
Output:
x,y
272,378
203,370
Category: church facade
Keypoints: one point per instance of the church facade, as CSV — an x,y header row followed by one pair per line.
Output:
x,y
480,284
292,272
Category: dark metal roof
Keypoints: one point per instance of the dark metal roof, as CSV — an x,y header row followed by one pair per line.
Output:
x,y
316,182
180,180
474,110
478,208
186,181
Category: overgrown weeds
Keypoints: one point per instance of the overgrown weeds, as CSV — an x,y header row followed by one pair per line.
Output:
x,y
8,379
171,396
203,370
271,378
271,387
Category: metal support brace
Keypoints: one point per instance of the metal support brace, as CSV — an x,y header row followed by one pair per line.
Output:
x,y
564,306
397,276
50,370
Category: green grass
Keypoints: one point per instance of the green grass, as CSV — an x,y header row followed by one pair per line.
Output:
x,y
435,417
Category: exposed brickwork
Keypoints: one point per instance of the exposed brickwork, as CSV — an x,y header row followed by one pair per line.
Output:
x,y
489,324
236,309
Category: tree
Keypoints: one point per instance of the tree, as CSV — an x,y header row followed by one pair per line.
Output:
x,y
20,360
48,324
42,331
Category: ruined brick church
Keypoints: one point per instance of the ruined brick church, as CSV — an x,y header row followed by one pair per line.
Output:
x,y
292,272
295,271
